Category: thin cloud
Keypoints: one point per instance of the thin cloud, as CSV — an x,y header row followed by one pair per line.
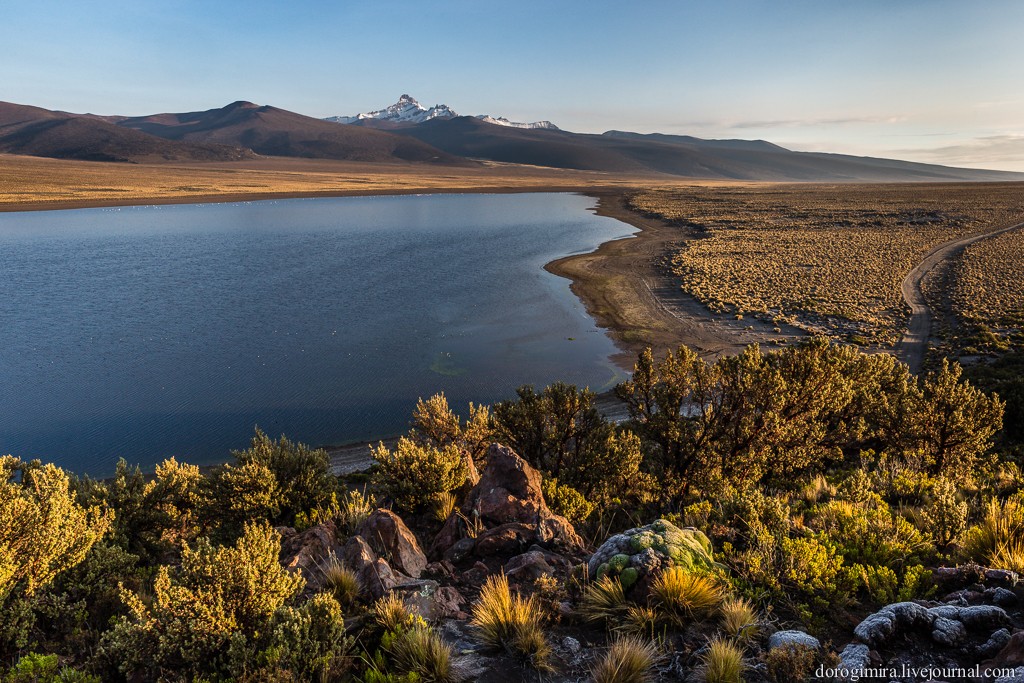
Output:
x,y
1003,150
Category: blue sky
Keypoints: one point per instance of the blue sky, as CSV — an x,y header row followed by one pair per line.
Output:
x,y
934,80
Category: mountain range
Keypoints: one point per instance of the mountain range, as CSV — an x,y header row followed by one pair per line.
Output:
x,y
407,132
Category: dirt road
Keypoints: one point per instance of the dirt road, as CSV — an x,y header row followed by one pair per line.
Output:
x,y
914,343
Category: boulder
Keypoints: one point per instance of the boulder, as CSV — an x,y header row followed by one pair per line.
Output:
x,y
995,643
793,639
1012,652
948,624
375,576
506,513
391,539
307,552
528,567
642,552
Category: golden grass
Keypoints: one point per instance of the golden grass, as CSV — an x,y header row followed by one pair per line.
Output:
x,y
678,595
444,505
828,259
739,618
390,613
340,581
603,600
33,182
989,282
723,662
509,622
997,538
628,660
422,652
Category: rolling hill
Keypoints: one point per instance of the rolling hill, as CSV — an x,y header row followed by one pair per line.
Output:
x,y
40,132
271,131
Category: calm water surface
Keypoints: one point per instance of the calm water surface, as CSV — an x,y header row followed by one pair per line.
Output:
x,y
147,332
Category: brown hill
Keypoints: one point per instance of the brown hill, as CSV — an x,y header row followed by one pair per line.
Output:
x,y
40,132
276,132
679,155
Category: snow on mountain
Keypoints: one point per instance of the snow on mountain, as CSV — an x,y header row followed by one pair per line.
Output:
x,y
502,121
408,110
405,110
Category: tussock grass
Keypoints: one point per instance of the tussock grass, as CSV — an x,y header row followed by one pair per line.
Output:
x,y
421,651
390,613
638,620
1009,555
678,595
341,581
510,622
353,508
628,660
999,532
739,618
444,505
603,600
723,662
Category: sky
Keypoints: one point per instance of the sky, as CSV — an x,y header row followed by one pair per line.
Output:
x,y
924,80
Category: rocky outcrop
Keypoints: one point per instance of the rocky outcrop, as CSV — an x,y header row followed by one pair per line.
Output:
x,y
792,639
638,554
391,539
375,575
947,624
504,515
307,551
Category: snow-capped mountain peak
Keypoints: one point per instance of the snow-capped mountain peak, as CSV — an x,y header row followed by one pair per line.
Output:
x,y
408,111
405,110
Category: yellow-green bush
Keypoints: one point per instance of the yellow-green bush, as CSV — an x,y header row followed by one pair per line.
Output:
x,y
413,475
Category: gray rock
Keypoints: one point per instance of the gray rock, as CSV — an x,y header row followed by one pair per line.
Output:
x,y
948,632
876,628
980,616
1016,677
1003,576
996,642
854,657
792,639
1004,598
571,645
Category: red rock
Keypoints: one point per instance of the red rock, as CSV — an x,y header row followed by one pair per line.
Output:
x,y
390,538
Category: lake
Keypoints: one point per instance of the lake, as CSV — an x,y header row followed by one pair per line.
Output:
x,y
147,332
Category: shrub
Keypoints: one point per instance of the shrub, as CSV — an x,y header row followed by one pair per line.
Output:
x,y
723,662
628,660
790,664
310,641
37,668
240,494
739,618
302,474
353,509
946,517
412,476
679,595
216,596
870,533
504,621
566,501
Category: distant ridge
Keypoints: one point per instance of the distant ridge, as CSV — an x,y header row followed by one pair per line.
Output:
x,y
407,132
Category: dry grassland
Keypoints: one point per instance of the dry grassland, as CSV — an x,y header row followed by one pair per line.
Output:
x,y
828,259
989,282
36,183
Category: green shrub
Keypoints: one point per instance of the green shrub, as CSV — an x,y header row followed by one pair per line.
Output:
x,y
412,475
870,533
302,474
216,597
310,641
36,668
566,501
241,494
946,517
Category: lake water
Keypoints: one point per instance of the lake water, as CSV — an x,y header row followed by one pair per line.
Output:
x,y
146,332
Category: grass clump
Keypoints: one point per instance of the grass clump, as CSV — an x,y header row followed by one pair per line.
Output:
x,y
739,618
390,613
628,660
341,581
419,650
723,662
510,622
603,600
679,595
997,533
